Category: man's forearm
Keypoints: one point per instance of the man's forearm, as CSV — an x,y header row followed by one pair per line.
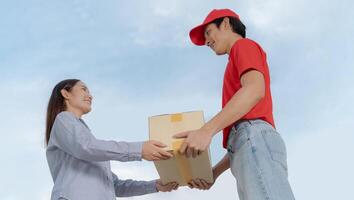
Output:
x,y
239,105
222,165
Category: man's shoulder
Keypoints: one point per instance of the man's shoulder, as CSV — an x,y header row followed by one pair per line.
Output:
x,y
246,46
246,42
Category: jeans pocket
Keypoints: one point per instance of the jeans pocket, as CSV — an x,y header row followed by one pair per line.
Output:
x,y
276,148
237,141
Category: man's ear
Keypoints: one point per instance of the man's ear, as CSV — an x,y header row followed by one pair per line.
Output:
x,y
226,23
64,93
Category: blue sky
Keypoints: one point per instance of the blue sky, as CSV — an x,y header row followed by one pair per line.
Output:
x,y
137,60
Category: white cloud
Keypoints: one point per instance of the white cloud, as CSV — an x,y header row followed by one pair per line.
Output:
x,y
320,162
167,23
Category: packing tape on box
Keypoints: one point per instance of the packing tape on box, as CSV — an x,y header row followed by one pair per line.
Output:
x,y
176,117
183,163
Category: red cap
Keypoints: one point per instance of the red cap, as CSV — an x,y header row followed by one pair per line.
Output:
x,y
197,33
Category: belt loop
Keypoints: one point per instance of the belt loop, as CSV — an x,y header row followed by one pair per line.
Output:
x,y
233,128
229,149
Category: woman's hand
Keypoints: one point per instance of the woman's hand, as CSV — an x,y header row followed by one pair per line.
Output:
x,y
152,151
168,187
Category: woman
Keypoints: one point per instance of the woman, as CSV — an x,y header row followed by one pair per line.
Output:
x,y
79,163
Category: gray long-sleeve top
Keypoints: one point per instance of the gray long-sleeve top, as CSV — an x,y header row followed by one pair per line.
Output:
x,y
80,164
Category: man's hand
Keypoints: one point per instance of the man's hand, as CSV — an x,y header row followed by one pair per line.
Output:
x,y
195,143
168,187
152,151
200,184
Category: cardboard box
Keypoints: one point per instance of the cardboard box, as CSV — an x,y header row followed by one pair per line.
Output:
x,y
179,168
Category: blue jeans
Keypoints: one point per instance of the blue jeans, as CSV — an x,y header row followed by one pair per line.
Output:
x,y
258,161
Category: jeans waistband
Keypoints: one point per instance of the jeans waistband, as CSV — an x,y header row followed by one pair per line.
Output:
x,y
249,122
245,126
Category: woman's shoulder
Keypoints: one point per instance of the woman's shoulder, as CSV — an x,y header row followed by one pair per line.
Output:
x,y
67,121
66,117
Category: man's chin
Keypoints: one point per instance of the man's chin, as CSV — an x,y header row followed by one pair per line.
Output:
x,y
219,53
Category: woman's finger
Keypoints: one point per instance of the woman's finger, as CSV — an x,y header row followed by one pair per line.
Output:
x,y
155,157
171,187
161,156
158,144
165,153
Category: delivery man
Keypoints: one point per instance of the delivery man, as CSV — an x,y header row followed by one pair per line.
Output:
x,y
256,152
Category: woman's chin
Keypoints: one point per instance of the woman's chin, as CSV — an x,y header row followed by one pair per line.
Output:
x,y
87,110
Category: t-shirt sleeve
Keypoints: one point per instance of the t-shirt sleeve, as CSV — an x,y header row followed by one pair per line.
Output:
x,y
248,56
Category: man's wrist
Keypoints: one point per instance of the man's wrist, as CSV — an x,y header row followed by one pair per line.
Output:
x,y
216,173
208,130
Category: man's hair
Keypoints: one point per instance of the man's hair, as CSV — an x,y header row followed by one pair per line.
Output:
x,y
236,25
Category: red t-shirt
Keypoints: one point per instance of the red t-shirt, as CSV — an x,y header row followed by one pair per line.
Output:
x,y
246,55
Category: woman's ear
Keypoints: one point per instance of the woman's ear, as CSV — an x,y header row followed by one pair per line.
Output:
x,y
64,93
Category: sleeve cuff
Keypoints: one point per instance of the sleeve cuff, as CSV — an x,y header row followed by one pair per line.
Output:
x,y
135,151
151,187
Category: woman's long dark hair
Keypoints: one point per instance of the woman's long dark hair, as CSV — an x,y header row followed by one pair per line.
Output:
x,y
56,104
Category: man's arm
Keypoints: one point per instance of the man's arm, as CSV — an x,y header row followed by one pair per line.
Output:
x,y
223,165
251,92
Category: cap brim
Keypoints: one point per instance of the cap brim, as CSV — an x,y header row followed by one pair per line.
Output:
x,y
197,35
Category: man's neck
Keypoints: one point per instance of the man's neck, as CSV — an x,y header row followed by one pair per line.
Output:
x,y
233,39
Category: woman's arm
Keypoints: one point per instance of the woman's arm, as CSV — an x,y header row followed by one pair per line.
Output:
x,y
128,188
72,137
